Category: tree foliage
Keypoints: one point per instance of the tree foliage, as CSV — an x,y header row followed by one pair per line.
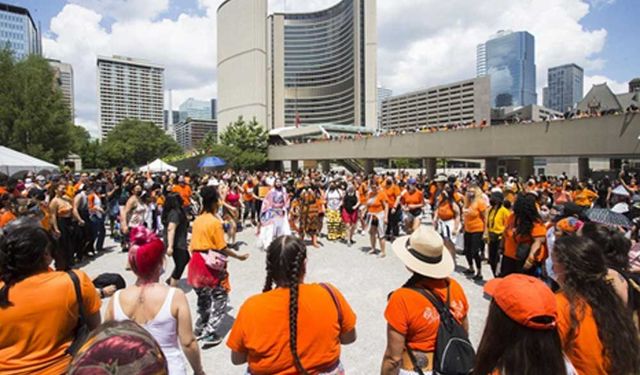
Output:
x,y
244,144
133,143
33,116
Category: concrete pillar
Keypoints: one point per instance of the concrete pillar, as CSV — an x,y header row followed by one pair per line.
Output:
x,y
491,167
525,167
326,165
294,166
368,166
430,167
583,168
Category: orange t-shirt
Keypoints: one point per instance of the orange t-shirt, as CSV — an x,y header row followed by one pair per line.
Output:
x,y
6,217
512,240
433,189
377,204
417,197
363,191
585,198
414,316
38,327
263,191
474,217
207,233
185,193
247,190
392,193
261,330
586,355
445,210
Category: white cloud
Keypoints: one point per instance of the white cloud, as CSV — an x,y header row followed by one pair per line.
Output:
x,y
615,86
421,43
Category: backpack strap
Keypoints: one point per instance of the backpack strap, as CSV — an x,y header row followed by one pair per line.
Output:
x,y
82,320
335,302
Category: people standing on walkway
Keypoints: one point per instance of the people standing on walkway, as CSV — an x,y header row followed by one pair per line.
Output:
x,y
232,210
274,220
411,202
520,328
308,206
162,310
249,200
412,319
335,227
524,239
38,306
377,217
447,217
474,214
350,213
134,212
294,327
176,228
207,272
392,191
496,220
596,328
60,209
96,217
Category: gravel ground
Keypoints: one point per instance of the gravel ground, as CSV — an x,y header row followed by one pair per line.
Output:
x,y
364,280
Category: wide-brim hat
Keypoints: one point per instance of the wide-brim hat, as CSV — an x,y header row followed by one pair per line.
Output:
x,y
441,178
423,252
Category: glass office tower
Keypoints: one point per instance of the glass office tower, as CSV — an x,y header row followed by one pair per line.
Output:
x,y
565,84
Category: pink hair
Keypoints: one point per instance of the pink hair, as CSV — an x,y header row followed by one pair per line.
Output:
x,y
146,253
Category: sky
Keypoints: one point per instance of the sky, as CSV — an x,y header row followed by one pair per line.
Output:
x,y
421,43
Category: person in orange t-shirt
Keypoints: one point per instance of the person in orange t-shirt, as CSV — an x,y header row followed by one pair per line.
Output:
x,y
596,329
392,191
584,196
412,320
296,327
38,307
184,190
524,238
6,213
474,227
377,205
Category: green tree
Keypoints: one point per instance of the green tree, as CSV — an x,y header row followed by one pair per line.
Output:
x,y
209,141
246,136
33,116
133,143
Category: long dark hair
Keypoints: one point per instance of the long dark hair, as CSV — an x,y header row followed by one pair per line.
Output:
x,y
584,282
614,245
526,214
210,199
285,267
23,247
515,349
173,202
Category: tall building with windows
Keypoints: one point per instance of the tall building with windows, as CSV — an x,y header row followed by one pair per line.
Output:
x,y
195,109
19,31
190,133
297,69
167,121
383,94
509,59
63,75
565,84
129,89
214,109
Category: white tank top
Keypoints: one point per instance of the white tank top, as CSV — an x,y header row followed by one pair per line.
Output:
x,y
164,328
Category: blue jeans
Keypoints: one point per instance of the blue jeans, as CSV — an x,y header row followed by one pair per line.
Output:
x,y
98,231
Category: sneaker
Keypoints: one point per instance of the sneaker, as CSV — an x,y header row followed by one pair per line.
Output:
x,y
211,340
469,271
477,277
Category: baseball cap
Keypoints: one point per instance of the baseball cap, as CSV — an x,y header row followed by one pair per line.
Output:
x,y
525,299
569,225
412,181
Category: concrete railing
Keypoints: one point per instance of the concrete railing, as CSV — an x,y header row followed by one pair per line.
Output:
x,y
608,136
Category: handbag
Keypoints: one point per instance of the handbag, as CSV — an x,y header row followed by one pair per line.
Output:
x,y
215,260
81,331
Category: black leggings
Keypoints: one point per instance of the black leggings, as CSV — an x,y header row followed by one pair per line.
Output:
x,y
66,245
494,256
181,258
473,247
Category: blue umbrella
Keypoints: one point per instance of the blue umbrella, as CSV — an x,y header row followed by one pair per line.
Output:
x,y
211,162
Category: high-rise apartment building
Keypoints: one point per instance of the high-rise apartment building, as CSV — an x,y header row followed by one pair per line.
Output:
x,y
509,59
293,69
129,89
565,84
214,109
463,102
19,31
382,95
195,109
175,118
63,75
191,132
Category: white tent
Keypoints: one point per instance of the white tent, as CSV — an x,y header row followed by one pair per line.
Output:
x,y
12,162
158,166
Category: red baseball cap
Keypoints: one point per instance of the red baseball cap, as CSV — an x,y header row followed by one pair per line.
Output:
x,y
525,299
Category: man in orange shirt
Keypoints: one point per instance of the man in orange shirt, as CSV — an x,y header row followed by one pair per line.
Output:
x,y
249,198
184,190
392,191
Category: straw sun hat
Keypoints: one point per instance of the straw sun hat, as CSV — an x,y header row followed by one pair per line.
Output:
x,y
423,252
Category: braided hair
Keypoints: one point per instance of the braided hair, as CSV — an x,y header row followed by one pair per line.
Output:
x,y
23,249
285,267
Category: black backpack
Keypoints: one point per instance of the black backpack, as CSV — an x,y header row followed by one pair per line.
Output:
x,y
454,354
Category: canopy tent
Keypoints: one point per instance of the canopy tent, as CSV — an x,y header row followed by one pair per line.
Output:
x,y
13,162
158,166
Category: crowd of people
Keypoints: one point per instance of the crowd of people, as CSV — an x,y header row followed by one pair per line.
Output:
x,y
564,255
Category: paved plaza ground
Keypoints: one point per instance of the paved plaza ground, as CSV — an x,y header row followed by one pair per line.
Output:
x,y
364,280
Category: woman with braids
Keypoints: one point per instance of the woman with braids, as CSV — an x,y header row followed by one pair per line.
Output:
x,y
596,328
208,267
294,328
412,320
38,306
524,239
60,209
